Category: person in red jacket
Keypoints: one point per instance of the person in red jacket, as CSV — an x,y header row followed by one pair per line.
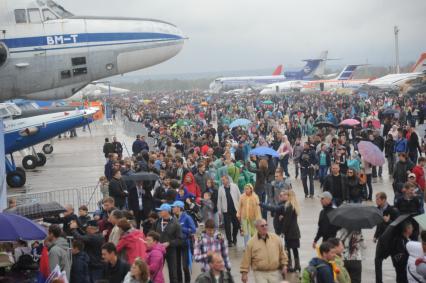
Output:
x,y
155,257
420,173
132,242
191,186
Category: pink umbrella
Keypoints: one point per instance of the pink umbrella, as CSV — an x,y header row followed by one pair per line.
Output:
x,y
371,153
349,122
375,123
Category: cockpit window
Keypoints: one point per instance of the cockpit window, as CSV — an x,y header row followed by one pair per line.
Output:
x,y
58,9
20,16
3,54
48,15
34,16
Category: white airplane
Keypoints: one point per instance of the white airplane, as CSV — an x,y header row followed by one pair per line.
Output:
x,y
47,53
394,81
314,68
341,80
97,91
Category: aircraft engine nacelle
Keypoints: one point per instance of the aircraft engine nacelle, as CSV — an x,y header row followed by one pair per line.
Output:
x,y
29,131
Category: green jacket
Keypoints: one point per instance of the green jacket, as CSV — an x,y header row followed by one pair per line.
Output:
x,y
343,275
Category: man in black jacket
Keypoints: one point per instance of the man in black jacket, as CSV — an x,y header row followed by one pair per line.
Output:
x,y
307,161
80,263
336,184
170,236
65,220
325,229
108,148
117,189
118,148
140,201
379,141
115,269
93,241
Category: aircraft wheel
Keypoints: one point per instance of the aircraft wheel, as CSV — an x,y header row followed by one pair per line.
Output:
x,y
47,148
41,159
20,169
29,162
16,179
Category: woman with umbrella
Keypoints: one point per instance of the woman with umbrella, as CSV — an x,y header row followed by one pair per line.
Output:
x,y
354,246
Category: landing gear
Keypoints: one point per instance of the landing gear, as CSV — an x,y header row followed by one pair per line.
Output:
x,y
41,159
16,179
47,148
29,162
15,176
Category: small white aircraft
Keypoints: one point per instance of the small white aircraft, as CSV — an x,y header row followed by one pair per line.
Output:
x,y
47,53
394,81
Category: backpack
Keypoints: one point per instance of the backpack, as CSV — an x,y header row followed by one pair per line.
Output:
x,y
309,274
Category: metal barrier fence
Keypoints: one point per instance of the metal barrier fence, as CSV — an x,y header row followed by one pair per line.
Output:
x,y
89,196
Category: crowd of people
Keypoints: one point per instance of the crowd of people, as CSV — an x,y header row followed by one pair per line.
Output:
x,y
209,179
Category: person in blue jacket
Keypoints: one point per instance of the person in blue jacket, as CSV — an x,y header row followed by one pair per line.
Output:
x,y
324,270
184,254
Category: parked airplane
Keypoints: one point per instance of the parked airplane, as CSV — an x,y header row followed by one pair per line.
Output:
x,y
314,68
47,53
394,81
342,79
22,131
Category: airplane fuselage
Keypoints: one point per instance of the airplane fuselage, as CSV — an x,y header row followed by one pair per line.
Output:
x,y
26,132
53,59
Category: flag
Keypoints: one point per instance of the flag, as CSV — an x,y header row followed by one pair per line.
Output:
x,y
44,271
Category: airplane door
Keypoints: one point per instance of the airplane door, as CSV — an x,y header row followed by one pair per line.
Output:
x,y
3,54
277,89
322,86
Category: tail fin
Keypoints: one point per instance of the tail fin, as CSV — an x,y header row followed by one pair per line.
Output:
x,y
278,70
420,65
347,72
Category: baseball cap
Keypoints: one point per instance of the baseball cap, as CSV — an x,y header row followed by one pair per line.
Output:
x,y
178,203
165,207
327,195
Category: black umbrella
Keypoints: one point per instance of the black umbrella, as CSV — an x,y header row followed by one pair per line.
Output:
x,y
355,217
324,124
38,210
141,176
384,243
390,111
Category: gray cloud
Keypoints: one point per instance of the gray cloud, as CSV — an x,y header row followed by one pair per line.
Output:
x,y
249,34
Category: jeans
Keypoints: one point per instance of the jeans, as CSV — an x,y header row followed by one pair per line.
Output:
x,y
307,173
171,258
391,163
378,269
284,165
375,175
182,263
369,187
323,169
296,168
231,219
413,156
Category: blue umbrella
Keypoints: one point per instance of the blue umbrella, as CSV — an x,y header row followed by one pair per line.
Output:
x,y
15,227
263,150
240,122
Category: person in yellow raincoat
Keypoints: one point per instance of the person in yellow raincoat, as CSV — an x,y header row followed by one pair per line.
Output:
x,y
248,212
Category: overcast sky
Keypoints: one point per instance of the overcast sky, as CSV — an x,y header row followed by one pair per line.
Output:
x,y
258,34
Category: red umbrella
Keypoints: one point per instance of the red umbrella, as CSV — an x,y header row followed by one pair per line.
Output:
x,y
371,153
349,122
